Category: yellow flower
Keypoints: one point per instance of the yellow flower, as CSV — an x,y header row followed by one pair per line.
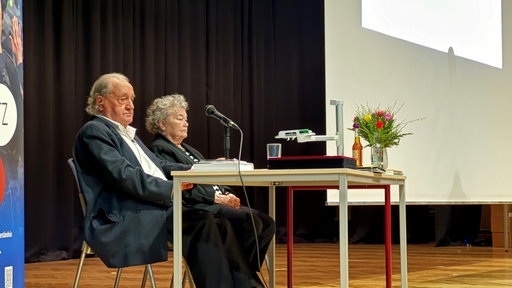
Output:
x,y
367,117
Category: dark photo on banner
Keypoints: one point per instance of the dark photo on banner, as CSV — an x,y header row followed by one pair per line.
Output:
x,y
12,167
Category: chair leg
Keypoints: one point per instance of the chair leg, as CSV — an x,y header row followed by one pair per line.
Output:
x,y
148,270
118,277
260,272
184,280
266,262
188,276
87,250
80,265
144,277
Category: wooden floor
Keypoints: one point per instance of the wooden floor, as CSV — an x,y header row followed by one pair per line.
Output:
x,y
317,265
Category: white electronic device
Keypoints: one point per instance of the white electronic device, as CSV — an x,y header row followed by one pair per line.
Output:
x,y
306,135
292,134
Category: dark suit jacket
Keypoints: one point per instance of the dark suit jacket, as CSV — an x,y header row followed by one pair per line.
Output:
x,y
126,208
200,196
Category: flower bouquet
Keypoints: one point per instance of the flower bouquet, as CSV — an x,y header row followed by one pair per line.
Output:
x,y
382,123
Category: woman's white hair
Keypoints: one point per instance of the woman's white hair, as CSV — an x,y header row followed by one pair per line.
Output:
x,y
161,108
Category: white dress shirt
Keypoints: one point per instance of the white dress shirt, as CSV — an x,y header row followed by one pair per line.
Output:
x,y
128,135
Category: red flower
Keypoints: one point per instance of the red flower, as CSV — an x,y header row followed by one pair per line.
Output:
x,y
380,124
381,113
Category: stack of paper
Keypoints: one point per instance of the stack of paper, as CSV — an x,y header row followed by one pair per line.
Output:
x,y
394,172
223,165
380,170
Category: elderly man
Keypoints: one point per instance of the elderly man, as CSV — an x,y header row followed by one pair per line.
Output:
x,y
129,205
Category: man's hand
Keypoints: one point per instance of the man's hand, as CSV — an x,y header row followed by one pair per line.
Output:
x,y
185,186
228,200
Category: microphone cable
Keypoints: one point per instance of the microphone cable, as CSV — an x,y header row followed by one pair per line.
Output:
x,y
257,240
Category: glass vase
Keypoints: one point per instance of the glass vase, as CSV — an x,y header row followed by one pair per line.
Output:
x,y
384,158
377,156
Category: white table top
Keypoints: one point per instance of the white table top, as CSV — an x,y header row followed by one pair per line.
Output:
x,y
289,177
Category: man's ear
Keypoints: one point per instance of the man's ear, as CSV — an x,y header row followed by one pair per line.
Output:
x,y
99,100
99,103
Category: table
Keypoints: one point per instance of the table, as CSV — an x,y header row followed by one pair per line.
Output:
x,y
339,177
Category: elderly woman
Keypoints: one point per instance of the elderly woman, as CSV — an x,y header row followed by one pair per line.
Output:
x,y
167,119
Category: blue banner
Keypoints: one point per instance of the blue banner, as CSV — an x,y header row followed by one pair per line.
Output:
x,y
12,168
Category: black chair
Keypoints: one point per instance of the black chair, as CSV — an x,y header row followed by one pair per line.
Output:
x,y
86,249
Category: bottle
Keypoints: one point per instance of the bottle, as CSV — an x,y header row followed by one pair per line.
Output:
x,y
357,149
377,152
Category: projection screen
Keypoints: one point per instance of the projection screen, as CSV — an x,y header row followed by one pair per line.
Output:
x,y
459,152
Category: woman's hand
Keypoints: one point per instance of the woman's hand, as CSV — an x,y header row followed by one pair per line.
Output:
x,y
229,200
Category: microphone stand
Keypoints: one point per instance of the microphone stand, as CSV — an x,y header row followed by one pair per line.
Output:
x,y
226,142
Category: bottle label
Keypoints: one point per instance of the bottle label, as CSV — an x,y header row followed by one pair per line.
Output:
x,y
357,154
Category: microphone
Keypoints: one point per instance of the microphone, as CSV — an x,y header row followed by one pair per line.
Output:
x,y
210,111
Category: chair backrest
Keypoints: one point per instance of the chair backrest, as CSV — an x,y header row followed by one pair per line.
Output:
x,y
71,163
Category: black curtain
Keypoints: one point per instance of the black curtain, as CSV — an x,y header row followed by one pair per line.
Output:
x,y
260,62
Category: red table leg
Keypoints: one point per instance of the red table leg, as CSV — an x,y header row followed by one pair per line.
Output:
x,y
387,209
387,225
289,237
